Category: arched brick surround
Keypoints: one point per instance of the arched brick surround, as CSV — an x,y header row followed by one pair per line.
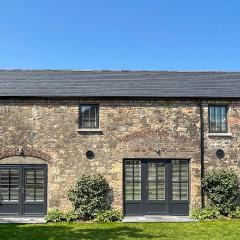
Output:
x,y
27,151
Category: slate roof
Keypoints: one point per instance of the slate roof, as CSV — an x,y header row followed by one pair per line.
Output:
x,y
64,83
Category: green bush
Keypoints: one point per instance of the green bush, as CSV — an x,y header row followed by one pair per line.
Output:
x,y
71,216
235,213
109,216
90,196
221,189
208,213
54,216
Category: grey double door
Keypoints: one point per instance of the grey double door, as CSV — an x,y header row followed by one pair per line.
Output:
x,y
23,190
156,187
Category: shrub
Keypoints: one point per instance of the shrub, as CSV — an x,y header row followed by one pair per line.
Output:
x,y
60,216
90,196
221,188
236,213
109,216
71,216
55,216
208,213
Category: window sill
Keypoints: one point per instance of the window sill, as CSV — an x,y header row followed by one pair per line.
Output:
x,y
219,134
86,130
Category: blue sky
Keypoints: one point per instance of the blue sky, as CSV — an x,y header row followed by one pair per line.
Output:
x,y
125,34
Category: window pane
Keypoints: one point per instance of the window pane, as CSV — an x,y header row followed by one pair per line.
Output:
x,y
152,194
161,191
156,181
176,191
133,180
39,176
14,194
137,191
89,116
9,185
29,193
217,119
4,193
4,176
29,177
184,191
39,193
180,180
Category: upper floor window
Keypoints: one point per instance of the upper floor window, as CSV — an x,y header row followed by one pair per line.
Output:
x,y
217,119
89,116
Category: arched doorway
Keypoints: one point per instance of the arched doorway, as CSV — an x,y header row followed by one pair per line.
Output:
x,y
23,186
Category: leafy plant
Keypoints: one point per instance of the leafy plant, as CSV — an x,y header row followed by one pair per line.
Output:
x,y
71,216
55,216
208,213
109,216
90,196
235,213
221,188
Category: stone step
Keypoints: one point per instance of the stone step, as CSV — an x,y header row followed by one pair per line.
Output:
x,y
157,218
22,220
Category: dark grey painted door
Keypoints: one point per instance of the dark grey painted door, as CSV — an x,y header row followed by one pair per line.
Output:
x,y
23,190
156,187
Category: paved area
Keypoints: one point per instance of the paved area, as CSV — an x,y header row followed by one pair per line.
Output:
x,y
154,218
21,220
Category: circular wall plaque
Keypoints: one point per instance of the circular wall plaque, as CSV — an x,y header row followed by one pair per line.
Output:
x,y
220,153
90,154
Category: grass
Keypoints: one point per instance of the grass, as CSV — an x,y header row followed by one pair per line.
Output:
x,y
224,230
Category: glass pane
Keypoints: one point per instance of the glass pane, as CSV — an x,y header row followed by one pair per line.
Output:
x,y
175,172
160,172
4,193
34,185
137,180
184,173
89,116
152,172
184,191
39,176
39,193
30,176
9,185
152,194
4,176
137,191
14,176
161,191
14,193
224,119
179,180
176,191
218,118
128,191
133,180
129,171
137,171
29,193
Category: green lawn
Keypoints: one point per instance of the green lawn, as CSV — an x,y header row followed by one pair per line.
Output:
x,y
221,230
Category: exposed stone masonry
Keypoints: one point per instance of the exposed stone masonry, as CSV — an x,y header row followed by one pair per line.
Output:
x,y
47,129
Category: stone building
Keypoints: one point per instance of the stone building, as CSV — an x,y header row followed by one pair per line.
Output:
x,y
151,134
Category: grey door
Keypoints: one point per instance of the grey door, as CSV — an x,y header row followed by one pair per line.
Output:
x,y
23,190
157,187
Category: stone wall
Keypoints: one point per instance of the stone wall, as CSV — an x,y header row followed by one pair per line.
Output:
x,y
229,142
130,129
